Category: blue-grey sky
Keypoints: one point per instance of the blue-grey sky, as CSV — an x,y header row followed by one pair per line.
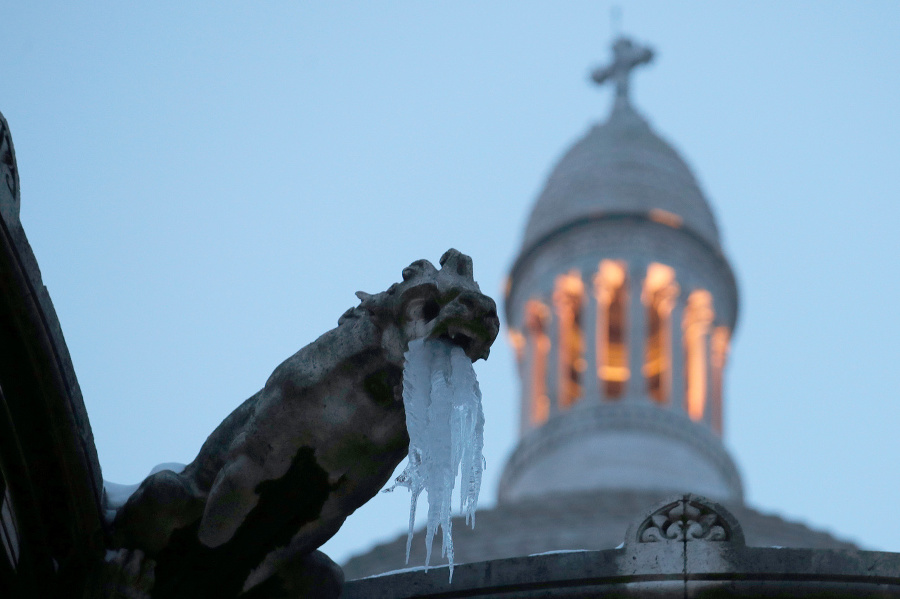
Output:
x,y
205,187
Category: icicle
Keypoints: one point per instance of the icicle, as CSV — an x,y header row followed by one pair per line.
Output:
x,y
445,423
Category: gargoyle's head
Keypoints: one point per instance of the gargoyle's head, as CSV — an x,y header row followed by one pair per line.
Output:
x,y
432,303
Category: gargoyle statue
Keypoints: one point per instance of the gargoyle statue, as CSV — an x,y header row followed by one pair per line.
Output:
x,y
280,475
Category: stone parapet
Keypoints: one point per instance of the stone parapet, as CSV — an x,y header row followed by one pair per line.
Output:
x,y
684,547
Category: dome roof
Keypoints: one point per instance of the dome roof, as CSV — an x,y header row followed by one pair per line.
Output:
x,y
621,167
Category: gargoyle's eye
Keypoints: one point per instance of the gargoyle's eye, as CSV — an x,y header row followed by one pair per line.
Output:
x,y
430,310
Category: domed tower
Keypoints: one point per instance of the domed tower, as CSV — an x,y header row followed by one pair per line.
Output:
x,y
621,305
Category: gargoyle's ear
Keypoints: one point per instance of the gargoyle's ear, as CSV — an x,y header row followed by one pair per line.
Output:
x,y
419,267
458,262
368,302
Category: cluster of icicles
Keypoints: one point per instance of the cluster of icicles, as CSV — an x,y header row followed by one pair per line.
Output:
x,y
445,422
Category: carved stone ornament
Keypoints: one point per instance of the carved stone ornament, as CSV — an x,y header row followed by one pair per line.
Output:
x,y
689,518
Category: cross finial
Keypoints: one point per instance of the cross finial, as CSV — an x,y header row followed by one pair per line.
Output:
x,y
626,56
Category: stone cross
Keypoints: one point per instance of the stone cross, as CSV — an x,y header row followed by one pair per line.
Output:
x,y
626,56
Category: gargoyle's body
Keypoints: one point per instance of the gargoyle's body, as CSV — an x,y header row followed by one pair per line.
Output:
x,y
279,476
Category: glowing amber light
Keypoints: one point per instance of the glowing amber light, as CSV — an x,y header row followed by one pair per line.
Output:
x,y
612,352
658,295
698,316
517,340
568,299
721,338
536,317
665,217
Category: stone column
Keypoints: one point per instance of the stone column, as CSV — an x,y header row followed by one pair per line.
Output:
x,y
590,380
553,360
637,331
719,348
710,382
678,397
698,319
537,322
526,365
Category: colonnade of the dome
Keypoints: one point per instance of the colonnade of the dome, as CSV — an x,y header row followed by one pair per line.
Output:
x,y
625,331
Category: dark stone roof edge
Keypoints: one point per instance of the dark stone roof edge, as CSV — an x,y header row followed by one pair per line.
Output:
x,y
45,313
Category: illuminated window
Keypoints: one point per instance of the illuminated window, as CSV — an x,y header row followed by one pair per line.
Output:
x,y
612,302
517,340
568,300
537,316
719,343
698,316
660,291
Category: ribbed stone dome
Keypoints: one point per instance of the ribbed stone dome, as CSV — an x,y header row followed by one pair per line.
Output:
x,y
620,167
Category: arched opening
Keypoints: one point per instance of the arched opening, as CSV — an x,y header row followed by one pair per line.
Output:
x,y
719,345
698,316
537,316
568,300
611,289
658,295
517,340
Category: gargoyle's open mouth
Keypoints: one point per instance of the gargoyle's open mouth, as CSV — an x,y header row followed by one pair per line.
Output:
x,y
459,338
475,345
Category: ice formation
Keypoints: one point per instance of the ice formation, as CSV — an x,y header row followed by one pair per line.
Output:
x,y
445,422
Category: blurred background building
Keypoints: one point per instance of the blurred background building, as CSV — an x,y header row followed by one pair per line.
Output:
x,y
620,306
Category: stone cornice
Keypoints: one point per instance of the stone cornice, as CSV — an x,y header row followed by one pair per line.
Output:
x,y
530,252
593,418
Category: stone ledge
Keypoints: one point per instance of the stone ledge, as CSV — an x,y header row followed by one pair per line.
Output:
x,y
685,566
658,572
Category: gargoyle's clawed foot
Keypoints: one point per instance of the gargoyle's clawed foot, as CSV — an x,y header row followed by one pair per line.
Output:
x,y
127,574
314,576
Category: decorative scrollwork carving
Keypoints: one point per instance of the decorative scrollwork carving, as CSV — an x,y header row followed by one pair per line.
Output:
x,y
689,518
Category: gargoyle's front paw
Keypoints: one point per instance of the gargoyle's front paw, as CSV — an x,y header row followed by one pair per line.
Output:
x,y
163,503
127,574
314,576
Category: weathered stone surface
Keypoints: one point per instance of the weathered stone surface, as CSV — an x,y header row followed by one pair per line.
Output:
x,y
313,576
278,477
125,574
